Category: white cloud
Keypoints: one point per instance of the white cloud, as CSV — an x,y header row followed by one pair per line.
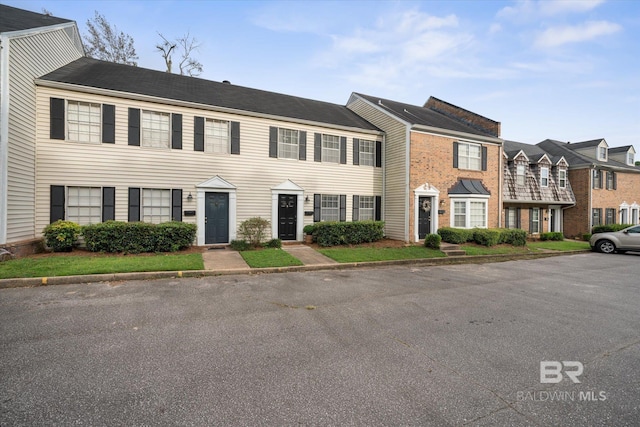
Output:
x,y
557,7
556,36
528,10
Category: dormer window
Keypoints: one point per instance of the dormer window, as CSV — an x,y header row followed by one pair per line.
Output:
x,y
562,178
602,153
520,174
544,177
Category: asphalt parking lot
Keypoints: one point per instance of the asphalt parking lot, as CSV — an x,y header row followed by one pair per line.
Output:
x,y
446,345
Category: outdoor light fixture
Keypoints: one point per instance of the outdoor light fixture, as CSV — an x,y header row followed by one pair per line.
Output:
x,y
306,199
189,197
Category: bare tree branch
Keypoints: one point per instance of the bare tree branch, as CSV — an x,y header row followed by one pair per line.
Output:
x,y
106,43
186,45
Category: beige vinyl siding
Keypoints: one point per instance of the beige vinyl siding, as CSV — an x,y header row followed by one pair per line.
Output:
x,y
30,56
253,172
396,173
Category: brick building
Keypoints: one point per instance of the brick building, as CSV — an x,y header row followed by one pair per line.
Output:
x,y
605,181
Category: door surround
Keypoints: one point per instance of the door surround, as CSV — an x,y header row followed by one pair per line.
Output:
x,y
287,187
425,190
215,185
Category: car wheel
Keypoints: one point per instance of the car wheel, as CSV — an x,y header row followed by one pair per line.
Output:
x,y
606,246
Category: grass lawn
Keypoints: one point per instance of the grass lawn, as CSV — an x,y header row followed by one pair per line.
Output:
x,y
73,265
494,250
380,254
270,257
559,246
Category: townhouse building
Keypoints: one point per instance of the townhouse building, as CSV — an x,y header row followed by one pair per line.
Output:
x,y
605,181
536,189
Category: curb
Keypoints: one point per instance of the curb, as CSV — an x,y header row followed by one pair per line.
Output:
x,y
118,277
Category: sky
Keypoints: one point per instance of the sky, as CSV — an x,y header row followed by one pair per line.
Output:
x,y
560,69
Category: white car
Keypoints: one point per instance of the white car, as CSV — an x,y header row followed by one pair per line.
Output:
x,y
617,241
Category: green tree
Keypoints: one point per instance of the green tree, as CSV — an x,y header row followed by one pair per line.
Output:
x,y
105,42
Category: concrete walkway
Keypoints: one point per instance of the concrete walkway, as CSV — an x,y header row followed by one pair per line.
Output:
x,y
307,255
223,260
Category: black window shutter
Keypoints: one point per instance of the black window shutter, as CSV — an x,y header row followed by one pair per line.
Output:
x,y
134,126
530,220
176,205
506,218
176,131
302,148
108,124
455,155
355,214
235,137
615,180
56,118
378,154
378,211
108,203
343,150
600,179
317,147
56,208
518,218
356,151
317,204
343,207
484,158
134,204
273,141
198,133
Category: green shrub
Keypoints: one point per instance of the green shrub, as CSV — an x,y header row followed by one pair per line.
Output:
x,y
253,230
273,243
609,227
239,245
586,237
455,235
309,229
432,241
486,237
513,236
348,233
557,236
138,237
61,235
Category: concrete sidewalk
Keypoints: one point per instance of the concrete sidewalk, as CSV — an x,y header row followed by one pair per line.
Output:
x,y
225,259
307,255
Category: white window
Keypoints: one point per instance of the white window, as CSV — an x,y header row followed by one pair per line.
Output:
x,y
288,142
562,178
367,155
469,156
630,159
520,174
330,208
84,121
216,136
469,213
602,153
84,205
156,205
330,148
544,177
366,208
155,129
512,218
535,220
624,215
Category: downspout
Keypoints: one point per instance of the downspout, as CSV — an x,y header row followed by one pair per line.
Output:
x,y
500,184
407,166
4,135
384,176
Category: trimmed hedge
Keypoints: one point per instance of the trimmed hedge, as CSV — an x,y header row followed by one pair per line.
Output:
x,y
61,235
138,237
240,245
609,227
555,235
484,236
432,241
348,233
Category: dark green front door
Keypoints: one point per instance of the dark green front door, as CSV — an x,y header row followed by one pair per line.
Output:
x,y
287,213
216,218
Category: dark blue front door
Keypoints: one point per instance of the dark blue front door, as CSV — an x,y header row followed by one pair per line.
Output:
x,y
216,218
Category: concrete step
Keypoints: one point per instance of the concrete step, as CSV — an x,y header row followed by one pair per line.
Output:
x,y
456,252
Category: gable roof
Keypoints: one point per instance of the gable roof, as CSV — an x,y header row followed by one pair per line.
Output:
x,y
587,144
416,115
623,149
92,73
14,19
579,160
533,152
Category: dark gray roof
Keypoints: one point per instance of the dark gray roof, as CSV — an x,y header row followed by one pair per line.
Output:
x,y
586,144
622,149
533,152
579,160
135,80
14,19
469,186
417,115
